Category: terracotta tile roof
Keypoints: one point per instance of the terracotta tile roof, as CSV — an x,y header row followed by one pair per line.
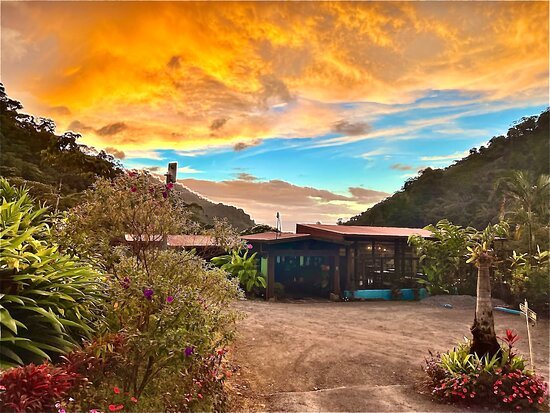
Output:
x,y
142,238
179,240
359,230
191,241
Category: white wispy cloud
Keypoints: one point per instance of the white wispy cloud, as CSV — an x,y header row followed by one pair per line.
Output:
x,y
143,154
188,170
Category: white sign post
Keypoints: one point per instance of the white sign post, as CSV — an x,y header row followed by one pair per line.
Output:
x,y
529,314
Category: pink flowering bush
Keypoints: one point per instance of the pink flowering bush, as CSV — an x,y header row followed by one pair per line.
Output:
x,y
172,308
502,381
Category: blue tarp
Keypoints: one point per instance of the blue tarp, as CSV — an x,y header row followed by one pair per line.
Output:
x,y
406,294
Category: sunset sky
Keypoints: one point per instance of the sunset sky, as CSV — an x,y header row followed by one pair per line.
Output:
x,y
316,110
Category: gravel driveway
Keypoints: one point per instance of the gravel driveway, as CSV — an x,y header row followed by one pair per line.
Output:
x,y
351,356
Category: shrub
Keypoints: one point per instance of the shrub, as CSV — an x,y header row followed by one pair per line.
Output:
x,y
503,380
442,259
33,388
244,268
48,301
172,308
530,277
173,313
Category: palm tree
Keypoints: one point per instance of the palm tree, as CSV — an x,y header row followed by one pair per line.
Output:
x,y
481,253
526,197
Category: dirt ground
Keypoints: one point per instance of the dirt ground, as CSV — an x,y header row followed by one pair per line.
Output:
x,y
351,356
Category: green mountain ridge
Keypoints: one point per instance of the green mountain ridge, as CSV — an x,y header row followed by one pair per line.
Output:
x,y
464,192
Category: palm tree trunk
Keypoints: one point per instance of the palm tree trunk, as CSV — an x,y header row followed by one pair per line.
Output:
x,y
483,330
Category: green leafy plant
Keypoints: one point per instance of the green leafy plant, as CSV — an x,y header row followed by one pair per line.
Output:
x,y
242,267
48,300
530,277
442,259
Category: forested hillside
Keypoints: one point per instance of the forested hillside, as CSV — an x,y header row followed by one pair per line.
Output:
x,y
57,168
464,192
54,167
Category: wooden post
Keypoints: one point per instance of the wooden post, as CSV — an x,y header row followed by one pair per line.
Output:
x,y
529,335
270,290
350,269
336,275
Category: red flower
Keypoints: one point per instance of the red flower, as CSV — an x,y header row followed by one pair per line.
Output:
x,y
134,399
116,408
170,185
116,390
133,189
199,396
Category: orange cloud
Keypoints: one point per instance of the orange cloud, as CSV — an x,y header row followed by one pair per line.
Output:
x,y
189,75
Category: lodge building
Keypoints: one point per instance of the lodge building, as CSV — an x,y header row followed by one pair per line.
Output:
x,y
319,259
322,260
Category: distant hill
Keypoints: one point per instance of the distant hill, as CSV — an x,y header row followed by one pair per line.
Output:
x,y
206,210
464,192
57,169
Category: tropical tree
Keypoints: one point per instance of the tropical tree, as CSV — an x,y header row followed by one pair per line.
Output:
x,y
481,253
525,202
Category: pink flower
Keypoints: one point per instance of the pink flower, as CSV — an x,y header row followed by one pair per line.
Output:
x,y
249,246
133,189
169,299
134,399
164,194
116,390
170,185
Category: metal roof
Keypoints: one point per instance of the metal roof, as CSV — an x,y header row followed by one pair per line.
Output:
x,y
274,236
360,231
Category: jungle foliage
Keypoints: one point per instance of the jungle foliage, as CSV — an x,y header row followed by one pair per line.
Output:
x,y
51,166
466,192
49,301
